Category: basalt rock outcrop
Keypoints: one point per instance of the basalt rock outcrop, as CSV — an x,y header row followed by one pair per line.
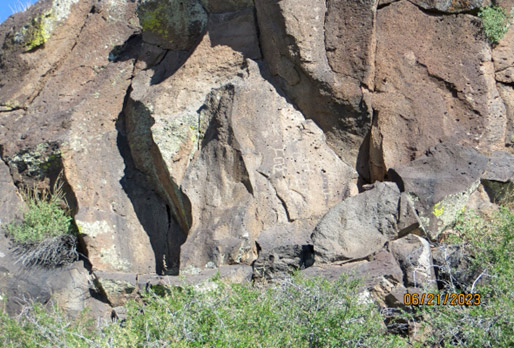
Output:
x,y
202,134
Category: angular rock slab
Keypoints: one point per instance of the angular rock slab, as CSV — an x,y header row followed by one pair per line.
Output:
x,y
440,183
172,24
381,275
284,249
503,58
325,86
435,82
498,178
261,164
415,258
451,6
358,226
229,154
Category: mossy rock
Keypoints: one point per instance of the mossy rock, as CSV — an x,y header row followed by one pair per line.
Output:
x,y
39,162
172,24
220,6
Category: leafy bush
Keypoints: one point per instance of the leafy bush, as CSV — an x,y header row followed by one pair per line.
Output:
x,y
44,217
496,22
46,235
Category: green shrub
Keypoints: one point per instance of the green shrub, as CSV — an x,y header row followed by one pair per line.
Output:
x,y
47,235
44,218
496,22
490,324
296,313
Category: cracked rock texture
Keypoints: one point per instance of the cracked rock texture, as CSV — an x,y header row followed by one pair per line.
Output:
x,y
200,134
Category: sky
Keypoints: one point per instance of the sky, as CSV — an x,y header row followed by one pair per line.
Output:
x,y
8,7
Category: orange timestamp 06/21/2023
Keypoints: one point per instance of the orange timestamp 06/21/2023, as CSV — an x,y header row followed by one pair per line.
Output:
x,y
450,299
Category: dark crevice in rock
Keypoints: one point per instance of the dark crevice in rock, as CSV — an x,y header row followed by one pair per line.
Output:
x,y
152,196
11,109
284,204
258,30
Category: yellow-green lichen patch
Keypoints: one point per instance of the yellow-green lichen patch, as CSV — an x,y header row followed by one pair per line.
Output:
x,y
438,209
38,31
9,106
38,162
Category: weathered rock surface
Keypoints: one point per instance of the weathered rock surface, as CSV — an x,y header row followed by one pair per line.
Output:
x,y
326,87
498,178
230,153
434,82
381,273
119,287
11,204
415,258
203,133
451,6
284,249
440,183
358,226
503,58
172,24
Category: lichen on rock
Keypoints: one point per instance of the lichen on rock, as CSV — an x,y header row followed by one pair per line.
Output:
x,y
172,24
38,31
38,162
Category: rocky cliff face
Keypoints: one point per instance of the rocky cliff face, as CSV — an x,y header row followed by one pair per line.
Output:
x,y
199,134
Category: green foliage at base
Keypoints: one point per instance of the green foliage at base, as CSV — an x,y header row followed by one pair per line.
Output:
x,y
44,218
496,22
297,313
490,324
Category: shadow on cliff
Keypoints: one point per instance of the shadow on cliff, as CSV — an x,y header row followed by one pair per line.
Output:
x,y
164,63
166,236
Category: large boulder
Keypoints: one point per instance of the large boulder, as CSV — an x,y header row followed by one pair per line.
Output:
x,y
380,273
283,249
498,178
358,226
440,183
434,82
